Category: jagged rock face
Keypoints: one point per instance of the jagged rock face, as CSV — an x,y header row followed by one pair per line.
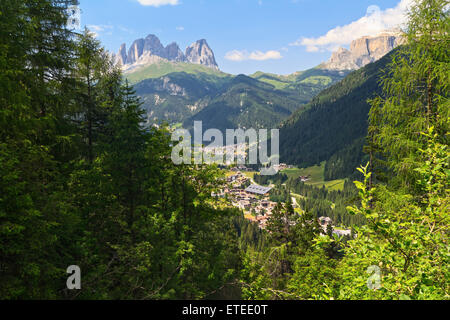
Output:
x,y
342,59
150,50
153,46
200,53
122,55
148,46
362,52
374,47
172,88
136,50
173,53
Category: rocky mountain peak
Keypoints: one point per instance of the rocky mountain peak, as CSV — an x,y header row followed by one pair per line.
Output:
x,y
173,53
135,51
363,51
200,53
150,50
153,46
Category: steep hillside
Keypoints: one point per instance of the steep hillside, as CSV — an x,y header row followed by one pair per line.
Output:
x,y
177,96
183,92
333,124
245,102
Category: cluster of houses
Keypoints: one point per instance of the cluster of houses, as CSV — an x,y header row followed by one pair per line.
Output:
x,y
253,199
236,180
240,168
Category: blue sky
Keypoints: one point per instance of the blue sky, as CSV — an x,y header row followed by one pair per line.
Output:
x,y
278,36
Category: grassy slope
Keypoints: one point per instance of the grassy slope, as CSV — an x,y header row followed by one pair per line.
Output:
x,y
316,174
314,77
161,69
278,81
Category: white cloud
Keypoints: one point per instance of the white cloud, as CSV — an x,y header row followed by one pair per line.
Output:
x,y
260,56
180,28
374,22
237,55
158,3
97,29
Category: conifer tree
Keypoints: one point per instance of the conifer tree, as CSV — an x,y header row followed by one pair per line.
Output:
x,y
35,66
416,93
406,235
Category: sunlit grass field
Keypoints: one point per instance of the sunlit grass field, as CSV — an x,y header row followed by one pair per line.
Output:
x,y
316,174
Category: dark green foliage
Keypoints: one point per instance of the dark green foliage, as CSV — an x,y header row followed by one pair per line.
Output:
x,y
407,229
278,178
83,182
280,194
342,164
35,61
325,203
333,124
250,234
291,267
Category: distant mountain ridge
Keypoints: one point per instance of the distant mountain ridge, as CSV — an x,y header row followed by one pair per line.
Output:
x,y
151,51
363,51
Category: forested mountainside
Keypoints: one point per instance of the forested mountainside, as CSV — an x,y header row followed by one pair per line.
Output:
x,y
333,125
177,96
246,103
182,93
